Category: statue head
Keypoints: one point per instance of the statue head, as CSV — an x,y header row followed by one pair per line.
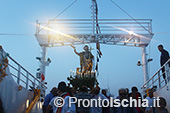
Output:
x,y
86,47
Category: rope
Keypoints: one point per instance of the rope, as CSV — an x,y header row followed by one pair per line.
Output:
x,y
59,14
129,15
98,31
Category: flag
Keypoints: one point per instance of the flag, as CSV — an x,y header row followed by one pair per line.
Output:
x,y
42,77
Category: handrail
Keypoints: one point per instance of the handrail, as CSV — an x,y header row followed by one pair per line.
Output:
x,y
159,77
118,25
22,67
100,19
37,96
27,76
20,72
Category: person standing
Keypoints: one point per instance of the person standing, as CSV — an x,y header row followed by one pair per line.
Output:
x,y
62,92
96,106
164,58
48,98
121,109
150,98
162,108
84,95
105,109
136,95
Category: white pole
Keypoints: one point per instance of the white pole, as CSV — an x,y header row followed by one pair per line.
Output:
x,y
93,18
43,60
43,67
145,65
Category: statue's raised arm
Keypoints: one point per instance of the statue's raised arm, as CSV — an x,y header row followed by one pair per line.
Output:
x,y
75,50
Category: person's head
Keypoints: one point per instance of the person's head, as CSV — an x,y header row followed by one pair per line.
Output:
x,y
84,89
150,92
86,47
134,90
162,102
104,92
0,47
96,90
160,48
62,88
122,93
54,91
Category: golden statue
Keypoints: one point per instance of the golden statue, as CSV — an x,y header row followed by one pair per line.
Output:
x,y
86,59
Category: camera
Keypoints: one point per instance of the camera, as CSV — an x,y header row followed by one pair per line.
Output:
x,y
139,63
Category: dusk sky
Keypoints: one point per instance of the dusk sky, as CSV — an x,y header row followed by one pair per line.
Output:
x,y
117,67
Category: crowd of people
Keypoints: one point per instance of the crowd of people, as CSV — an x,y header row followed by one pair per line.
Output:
x,y
65,92
84,93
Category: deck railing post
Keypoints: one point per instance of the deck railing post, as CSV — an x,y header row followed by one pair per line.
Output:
x,y
34,83
159,79
27,80
166,72
152,82
19,74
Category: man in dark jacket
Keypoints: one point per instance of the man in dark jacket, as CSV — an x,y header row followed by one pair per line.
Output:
x,y
83,95
123,95
164,58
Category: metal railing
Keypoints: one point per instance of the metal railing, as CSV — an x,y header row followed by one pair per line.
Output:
x,y
22,76
80,26
157,81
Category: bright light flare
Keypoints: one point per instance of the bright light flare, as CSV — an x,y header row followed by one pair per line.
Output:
x,y
131,32
58,32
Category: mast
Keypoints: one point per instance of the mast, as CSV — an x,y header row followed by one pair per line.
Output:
x,y
43,68
145,65
43,62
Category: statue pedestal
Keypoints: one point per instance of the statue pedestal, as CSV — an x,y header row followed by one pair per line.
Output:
x,y
87,79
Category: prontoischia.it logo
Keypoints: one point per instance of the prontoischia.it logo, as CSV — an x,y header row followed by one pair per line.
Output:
x,y
59,102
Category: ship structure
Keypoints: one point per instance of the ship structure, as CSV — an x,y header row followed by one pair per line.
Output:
x,y
21,91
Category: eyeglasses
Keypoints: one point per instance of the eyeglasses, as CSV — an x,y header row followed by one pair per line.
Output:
x,y
121,94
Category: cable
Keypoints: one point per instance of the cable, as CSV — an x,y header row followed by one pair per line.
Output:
x,y
59,14
129,15
162,32
14,34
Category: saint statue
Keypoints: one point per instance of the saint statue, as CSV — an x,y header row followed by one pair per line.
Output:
x,y
86,59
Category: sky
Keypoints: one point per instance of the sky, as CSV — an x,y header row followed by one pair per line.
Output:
x,y
117,67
